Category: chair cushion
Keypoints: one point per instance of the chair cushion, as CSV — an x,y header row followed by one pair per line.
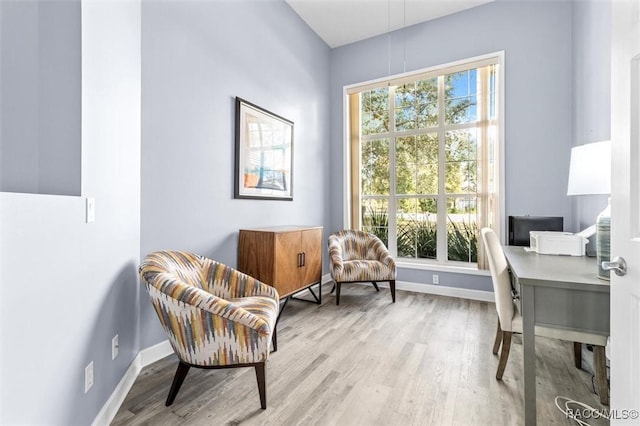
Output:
x,y
364,270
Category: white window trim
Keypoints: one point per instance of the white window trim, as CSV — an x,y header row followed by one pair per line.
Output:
x,y
429,264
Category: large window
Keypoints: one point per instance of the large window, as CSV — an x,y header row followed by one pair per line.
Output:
x,y
424,159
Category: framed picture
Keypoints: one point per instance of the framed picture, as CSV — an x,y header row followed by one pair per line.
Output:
x,y
264,154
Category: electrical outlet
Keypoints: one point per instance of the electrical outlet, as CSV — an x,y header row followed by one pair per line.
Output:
x,y
88,377
436,280
114,347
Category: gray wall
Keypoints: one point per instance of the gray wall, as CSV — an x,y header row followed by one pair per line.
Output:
x,y
197,56
40,60
592,92
67,286
60,76
19,90
536,38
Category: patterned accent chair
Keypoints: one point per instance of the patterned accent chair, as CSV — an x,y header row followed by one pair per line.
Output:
x,y
214,316
357,256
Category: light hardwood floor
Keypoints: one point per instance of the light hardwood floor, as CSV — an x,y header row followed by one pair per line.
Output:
x,y
425,360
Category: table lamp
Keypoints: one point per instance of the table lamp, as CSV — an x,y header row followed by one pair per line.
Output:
x,y
590,174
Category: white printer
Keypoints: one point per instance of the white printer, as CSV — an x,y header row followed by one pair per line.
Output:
x,y
558,243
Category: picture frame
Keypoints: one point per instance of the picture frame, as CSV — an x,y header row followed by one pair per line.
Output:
x,y
264,154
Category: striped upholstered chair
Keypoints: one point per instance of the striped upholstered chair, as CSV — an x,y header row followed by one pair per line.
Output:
x,y
357,256
214,316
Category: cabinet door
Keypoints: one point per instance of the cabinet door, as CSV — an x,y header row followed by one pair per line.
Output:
x,y
311,246
255,255
287,260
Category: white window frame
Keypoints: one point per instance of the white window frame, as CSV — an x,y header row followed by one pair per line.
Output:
x,y
496,57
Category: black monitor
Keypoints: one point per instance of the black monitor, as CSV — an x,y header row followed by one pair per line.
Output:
x,y
519,227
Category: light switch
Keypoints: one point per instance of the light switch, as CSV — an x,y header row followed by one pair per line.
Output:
x,y
91,210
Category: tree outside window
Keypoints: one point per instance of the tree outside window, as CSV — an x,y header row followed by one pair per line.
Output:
x,y
427,162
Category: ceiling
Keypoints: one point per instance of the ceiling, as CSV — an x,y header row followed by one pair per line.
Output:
x,y
340,22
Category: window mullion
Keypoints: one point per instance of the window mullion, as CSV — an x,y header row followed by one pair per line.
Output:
x,y
482,183
441,247
392,243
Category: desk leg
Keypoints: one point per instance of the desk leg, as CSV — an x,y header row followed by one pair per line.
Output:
x,y
529,351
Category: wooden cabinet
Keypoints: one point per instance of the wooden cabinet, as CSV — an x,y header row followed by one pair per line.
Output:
x,y
286,257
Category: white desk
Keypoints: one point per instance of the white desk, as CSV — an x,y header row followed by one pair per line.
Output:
x,y
555,291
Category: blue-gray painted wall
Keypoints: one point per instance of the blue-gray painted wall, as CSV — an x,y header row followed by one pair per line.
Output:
x,y
197,57
537,40
66,286
592,92
40,135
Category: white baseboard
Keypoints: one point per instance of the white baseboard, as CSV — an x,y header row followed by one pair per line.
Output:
x,y
440,290
111,407
155,353
145,357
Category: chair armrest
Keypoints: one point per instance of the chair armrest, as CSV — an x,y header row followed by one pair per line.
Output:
x,y
228,283
335,255
383,255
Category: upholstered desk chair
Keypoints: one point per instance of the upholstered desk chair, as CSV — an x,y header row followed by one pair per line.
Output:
x,y
214,316
510,320
357,256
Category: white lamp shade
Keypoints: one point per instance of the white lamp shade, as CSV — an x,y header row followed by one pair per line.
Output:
x,y
590,169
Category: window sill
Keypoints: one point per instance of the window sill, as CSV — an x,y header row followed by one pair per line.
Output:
x,y
432,266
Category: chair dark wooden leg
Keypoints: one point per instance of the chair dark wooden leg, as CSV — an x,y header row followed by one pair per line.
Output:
x,y
333,288
504,354
337,293
577,354
179,377
392,286
262,388
375,284
496,343
600,366
274,340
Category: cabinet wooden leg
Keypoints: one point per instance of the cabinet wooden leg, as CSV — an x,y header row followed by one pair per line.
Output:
x,y
274,339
